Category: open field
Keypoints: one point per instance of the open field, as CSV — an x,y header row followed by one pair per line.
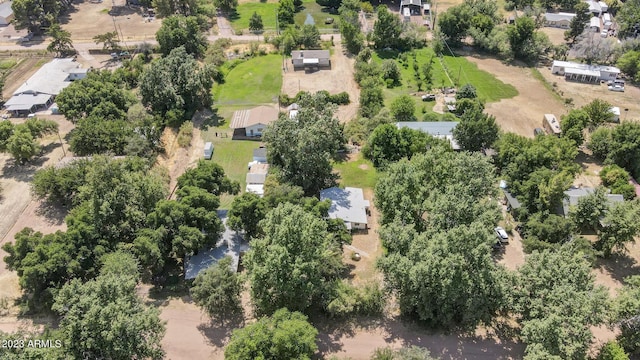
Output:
x,y
86,20
268,10
252,82
445,73
335,80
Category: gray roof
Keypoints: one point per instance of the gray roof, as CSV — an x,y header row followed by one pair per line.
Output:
x,y
573,195
26,101
5,9
347,204
439,129
310,54
258,115
230,244
513,202
51,78
559,16
256,178
260,152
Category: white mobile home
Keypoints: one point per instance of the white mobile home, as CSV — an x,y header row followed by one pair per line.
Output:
x,y
584,72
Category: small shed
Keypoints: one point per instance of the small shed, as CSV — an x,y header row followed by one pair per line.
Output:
x,y
603,6
303,59
594,24
6,13
260,155
551,124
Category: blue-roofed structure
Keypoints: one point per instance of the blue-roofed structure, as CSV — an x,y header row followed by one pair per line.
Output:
x,y
231,244
438,129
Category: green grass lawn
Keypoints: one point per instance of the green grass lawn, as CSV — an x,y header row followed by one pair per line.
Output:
x,y
359,173
489,88
233,156
268,11
255,81
7,64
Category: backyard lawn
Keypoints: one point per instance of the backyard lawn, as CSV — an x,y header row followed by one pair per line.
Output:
x,y
458,70
268,10
233,156
252,82
357,173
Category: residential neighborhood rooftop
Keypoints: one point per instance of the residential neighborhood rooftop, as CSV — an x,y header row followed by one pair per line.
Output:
x,y
573,195
258,115
439,129
347,204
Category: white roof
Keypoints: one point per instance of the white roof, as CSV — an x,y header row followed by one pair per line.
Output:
x,y
293,114
256,189
572,65
553,122
51,78
5,9
559,16
310,61
406,12
594,22
26,101
615,110
603,5
594,6
347,204
582,72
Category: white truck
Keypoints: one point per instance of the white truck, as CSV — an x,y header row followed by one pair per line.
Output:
x,y
208,150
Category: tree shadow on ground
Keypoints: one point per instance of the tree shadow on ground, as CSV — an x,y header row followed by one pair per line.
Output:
x,y
54,213
619,265
218,332
23,172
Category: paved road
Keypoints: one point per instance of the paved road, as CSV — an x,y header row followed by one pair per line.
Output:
x,y
84,47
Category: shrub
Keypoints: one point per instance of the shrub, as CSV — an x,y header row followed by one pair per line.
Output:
x,y
285,100
612,351
340,99
185,134
349,300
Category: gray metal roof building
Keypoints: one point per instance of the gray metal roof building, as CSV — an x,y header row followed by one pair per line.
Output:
x,y
347,204
573,195
438,129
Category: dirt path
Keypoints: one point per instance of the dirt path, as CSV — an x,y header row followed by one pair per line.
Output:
x,y
338,79
523,113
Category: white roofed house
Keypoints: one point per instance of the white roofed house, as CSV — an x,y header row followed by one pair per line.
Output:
x,y
583,72
437,129
40,90
310,59
560,20
349,205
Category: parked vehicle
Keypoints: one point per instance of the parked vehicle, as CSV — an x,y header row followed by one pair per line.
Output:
x,y
502,235
616,82
616,88
208,150
428,97
497,246
538,131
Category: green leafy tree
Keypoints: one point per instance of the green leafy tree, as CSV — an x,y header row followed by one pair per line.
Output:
x,y
177,86
573,125
629,63
546,231
95,136
599,112
294,263
590,209
255,22
525,42
601,142
391,71
403,108
476,130
286,10
209,176
217,290
628,17
617,179
557,308
309,36
226,5
36,14
455,22
620,226
247,210
578,23
60,41
371,100
612,351
405,353
110,40
180,31
387,29
22,145
626,312
284,335
350,26
467,91
134,330
302,159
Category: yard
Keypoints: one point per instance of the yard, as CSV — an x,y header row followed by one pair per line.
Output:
x,y
356,172
268,10
252,82
446,72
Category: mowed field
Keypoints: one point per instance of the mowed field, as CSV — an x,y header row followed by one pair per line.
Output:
x,y
268,10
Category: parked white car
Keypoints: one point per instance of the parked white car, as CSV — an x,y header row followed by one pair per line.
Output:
x,y
617,88
502,235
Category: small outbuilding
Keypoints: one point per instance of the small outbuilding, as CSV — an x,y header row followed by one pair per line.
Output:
x,y
260,155
310,59
594,24
6,13
551,124
349,205
414,6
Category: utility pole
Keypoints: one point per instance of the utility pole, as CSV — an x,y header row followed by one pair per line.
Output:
x,y
64,153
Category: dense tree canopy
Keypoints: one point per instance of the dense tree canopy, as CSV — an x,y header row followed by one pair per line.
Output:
x,y
476,130
302,148
180,31
620,226
626,313
387,29
176,86
284,335
36,14
294,263
21,140
246,212
620,146
350,26
556,308
217,290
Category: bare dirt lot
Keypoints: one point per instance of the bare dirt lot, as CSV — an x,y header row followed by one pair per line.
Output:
x,y
583,94
523,113
86,20
337,79
556,35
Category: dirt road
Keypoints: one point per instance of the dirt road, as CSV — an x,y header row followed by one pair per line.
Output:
x,y
523,113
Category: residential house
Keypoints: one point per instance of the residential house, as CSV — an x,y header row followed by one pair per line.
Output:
x,y
347,204
40,90
6,13
583,72
310,59
231,244
256,178
594,7
438,129
414,7
252,122
560,20
573,195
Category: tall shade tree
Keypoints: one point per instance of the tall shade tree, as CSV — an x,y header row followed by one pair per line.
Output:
x,y
626,314
387,29
599,112
350,26
247,210
403,108
476,130
35,15
180,31
557,308
286,11
579,22
302,148
620,226
134,330
110,40
217,290
573,125
60,43
284,335
209,176
294,263
226,5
